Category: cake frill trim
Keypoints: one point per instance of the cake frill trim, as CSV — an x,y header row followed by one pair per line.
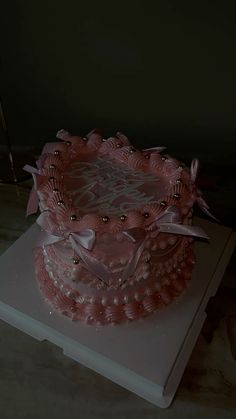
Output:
x,y
50,189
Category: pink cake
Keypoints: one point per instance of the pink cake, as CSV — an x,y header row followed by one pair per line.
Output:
x,y
116,239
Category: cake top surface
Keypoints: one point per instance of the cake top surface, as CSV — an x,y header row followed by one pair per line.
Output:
x,y
104,186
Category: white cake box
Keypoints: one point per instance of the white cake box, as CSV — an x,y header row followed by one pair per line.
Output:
x,y
148,356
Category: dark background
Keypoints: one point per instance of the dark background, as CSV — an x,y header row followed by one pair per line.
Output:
x,y
163,72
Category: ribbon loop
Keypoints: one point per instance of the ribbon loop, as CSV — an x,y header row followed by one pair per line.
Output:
x,y
84,238
194,169
33,201
31,169
170,222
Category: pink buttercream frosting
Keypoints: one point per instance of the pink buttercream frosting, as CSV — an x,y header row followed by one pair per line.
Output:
x,y
104,258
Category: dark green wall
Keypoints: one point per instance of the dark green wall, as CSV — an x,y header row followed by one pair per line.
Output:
x,y
161,71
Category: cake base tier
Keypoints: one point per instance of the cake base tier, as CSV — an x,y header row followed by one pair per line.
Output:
x,y
99,313
146,357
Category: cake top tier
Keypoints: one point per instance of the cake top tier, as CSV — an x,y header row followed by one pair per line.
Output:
x,y
108,185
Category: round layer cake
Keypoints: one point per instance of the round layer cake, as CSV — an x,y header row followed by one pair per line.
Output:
x,y
116,240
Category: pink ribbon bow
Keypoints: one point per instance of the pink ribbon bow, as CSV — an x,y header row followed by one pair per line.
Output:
x,y
194,169
33,201
167,222
81,241
170,222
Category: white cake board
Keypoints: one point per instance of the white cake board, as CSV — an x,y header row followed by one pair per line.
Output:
x,y
148,357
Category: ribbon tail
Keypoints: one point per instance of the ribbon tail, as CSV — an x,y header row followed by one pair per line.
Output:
x,y
129,270
45,239
95,267
32,206
31,169
205,208
62,135
194,169
183,229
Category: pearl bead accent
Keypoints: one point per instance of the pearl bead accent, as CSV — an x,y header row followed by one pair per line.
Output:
x,y
163,203
68,143
75,261
179,181
52,166
132,150
123,217
176,195
146,214
52,178
73,217
126,298
56,152
85,139
60,203
55,190
164,158
118,145
116,301
105,219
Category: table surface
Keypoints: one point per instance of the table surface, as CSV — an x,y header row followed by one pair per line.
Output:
x,y
38,381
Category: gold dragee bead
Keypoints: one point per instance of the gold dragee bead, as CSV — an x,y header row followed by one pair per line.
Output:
x,y
163,203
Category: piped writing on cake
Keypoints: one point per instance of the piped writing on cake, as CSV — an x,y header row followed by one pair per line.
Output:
x,y
100,185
